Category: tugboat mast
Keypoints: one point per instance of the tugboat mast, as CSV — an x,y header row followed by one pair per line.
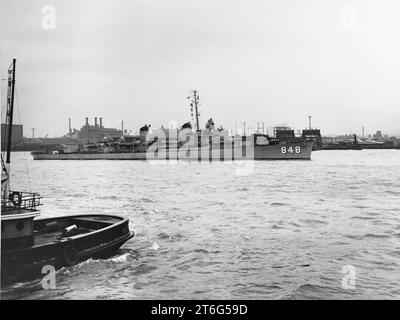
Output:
x,y
5,170
10,108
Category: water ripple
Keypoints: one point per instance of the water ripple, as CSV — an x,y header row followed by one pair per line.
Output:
x,y
286,231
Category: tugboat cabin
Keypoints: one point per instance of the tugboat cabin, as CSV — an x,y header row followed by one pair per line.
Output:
x,y
18,209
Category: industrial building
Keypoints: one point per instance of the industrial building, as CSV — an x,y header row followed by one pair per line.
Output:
x,y
93,133
16,137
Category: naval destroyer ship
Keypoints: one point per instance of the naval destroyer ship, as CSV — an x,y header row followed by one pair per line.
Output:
x,y
186,143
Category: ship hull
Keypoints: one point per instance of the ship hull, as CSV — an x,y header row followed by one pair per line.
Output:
x,y
283,151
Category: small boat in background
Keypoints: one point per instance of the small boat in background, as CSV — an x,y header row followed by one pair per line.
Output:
x,y
28,244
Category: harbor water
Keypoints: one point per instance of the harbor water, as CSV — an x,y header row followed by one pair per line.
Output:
x,y
328,228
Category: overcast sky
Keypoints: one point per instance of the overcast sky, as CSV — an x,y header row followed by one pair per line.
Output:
x,y
254,60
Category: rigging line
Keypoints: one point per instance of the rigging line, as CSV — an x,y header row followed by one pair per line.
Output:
x,y
3,151
3,107
27,170
17,105
20,121
4,103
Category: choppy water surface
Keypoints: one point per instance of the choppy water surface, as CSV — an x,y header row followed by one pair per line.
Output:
x,y
244,230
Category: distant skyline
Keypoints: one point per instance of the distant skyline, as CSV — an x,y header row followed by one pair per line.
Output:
x,y
275,62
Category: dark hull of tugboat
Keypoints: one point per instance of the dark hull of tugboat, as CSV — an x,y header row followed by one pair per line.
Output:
x,y
95,236
282,151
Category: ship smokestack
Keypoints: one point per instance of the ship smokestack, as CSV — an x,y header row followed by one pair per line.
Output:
x,y
95,122
101,122
69,126
87,121
122,126
309,122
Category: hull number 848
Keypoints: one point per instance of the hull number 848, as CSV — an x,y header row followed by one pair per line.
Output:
x,y
291,149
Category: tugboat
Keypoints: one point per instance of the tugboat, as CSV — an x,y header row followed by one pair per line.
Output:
x,y
28,244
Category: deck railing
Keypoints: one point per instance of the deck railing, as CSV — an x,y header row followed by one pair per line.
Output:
x,y
21,200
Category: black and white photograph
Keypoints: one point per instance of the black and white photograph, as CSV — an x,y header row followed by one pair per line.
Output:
x,y
212,151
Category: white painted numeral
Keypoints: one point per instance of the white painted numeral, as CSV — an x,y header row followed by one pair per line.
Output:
x,y
290,150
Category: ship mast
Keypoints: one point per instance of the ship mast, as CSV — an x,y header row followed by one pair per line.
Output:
x,y
194,103
10,108
9,123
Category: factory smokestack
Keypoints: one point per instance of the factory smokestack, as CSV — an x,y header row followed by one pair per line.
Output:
x,y
122,126
69,126
101,122
309,122
87,121
95,122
